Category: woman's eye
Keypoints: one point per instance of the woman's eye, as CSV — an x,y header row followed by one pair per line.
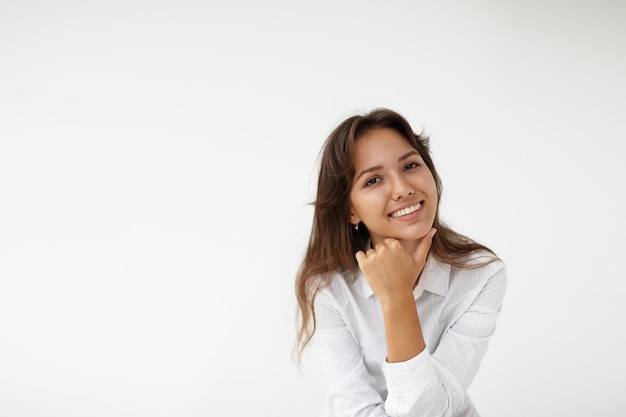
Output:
x,y
411,165
372,181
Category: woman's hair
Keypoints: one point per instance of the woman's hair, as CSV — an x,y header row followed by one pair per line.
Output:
x,y
333,241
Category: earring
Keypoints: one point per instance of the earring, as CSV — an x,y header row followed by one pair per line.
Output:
x,y
356,227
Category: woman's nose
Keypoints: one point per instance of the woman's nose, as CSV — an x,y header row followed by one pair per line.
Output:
x,y
401,188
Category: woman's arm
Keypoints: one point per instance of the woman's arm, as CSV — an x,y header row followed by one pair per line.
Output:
x,y
418,383
393,273
350,391
403,331
435,382
427,382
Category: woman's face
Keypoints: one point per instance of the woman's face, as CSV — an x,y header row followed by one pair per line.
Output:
x,y
393,192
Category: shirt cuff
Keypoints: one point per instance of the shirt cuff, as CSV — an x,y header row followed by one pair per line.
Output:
x,y
408,376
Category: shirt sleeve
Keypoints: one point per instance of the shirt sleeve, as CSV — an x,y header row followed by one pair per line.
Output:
x,y
435,383
350,393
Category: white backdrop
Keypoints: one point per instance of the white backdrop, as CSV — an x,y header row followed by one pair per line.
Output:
x,y
157,159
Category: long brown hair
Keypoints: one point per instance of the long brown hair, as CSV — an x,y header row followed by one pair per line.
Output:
x,y
333,241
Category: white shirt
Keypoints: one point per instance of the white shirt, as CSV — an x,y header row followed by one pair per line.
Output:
x,y
457,308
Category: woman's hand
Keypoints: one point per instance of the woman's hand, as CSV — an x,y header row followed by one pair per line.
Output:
x,y
390,270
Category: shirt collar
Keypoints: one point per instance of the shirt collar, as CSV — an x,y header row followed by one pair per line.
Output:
x,y
435,279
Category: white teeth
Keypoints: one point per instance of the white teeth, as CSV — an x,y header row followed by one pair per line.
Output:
x,y
407,210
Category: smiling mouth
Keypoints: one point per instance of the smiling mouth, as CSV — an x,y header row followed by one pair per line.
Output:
x,y
406,211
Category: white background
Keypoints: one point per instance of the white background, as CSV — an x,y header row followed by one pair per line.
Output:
x,y
157,159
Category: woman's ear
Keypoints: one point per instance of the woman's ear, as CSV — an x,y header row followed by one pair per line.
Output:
x,y
354,219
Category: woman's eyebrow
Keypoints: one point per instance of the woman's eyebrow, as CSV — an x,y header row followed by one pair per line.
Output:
x,y
406,155
365,171
374,168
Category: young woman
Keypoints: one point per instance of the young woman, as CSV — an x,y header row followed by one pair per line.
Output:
x,y
399,306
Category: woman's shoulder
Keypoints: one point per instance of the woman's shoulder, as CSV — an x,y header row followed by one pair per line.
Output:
x,y
340,287
480,269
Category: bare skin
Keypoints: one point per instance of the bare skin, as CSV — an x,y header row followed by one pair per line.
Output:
x,y
392,272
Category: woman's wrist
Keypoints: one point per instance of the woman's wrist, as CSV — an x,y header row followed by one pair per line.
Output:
x,y
392,303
